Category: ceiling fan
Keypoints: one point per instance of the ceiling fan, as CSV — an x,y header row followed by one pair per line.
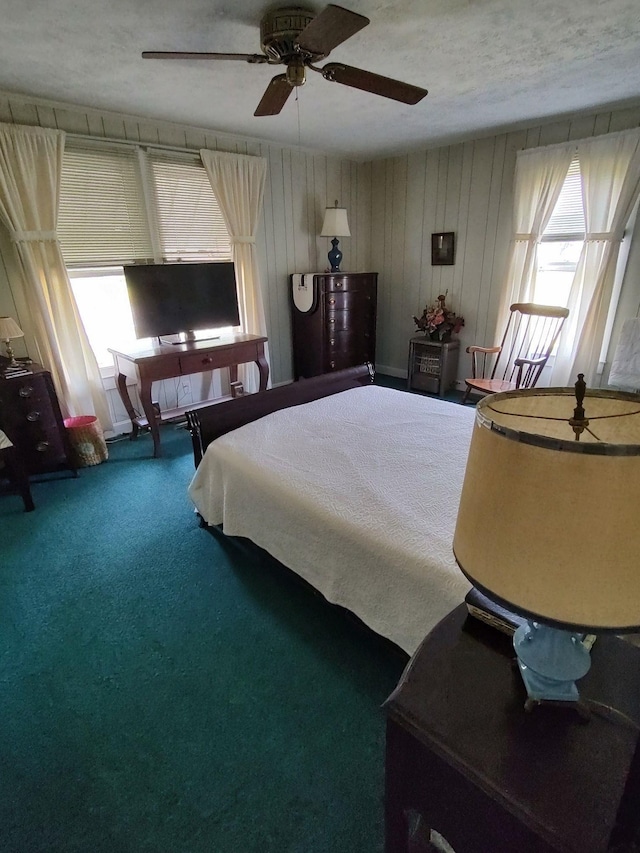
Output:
x,y
298,38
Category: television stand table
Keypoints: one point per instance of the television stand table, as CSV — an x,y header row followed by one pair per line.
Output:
x,y
167,361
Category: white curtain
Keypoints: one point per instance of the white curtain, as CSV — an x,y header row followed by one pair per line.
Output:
x,y
539,176
610,170
238,183
30,166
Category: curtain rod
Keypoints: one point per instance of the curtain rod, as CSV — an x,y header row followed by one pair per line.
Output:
x,y
85,137
576,143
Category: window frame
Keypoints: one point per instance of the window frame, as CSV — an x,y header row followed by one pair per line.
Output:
x,y
147,207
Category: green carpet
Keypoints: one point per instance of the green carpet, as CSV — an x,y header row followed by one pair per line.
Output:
x,y
163,689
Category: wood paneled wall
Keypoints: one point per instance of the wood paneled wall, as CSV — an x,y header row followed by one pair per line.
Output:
x,y
394,206
300,184
468,189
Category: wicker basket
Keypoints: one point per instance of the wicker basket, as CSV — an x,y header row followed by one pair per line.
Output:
x,y
88,446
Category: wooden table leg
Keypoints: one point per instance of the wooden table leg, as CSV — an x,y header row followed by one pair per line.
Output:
x,y
121,382
18,476
150,414
263,368
396,825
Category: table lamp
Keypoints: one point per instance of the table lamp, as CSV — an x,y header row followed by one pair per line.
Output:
x,y
9,329
548,524
335,225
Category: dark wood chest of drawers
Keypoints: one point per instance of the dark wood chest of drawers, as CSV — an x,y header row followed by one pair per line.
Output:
x,y
338,330
30,415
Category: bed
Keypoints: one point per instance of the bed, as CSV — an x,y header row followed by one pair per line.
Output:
x,y
354,487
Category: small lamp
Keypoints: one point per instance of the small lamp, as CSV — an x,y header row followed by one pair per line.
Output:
x,y
548,523
9,329
335,225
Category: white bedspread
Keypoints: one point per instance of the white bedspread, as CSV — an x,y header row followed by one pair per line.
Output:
x,y
357,493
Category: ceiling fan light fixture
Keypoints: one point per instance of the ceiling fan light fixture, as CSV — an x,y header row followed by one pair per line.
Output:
x,y
296,75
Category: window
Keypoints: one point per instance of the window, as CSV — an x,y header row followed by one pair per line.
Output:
x,y
124,206
102,216
189,218
101,294
561,244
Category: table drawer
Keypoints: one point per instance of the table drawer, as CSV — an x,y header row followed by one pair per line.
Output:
x,y
197,362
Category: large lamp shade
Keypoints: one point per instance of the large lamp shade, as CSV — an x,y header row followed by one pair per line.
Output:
x,y
550,525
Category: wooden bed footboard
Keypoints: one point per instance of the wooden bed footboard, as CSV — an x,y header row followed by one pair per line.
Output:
x,y
210,422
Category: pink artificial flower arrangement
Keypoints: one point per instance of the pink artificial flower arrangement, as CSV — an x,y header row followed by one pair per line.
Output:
x,y
438,321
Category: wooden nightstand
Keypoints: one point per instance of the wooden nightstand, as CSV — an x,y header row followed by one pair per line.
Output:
x,y
31,417
463,754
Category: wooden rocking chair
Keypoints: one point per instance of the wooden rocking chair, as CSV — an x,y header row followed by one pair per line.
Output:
x,y
528,341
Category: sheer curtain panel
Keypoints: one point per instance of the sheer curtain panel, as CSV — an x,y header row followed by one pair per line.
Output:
x,y
539,177
610,169
30,167
238,183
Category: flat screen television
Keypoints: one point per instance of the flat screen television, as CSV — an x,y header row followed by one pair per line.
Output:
x,y
173,299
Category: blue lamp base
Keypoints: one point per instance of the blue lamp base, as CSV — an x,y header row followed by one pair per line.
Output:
x,y
335,256
550,661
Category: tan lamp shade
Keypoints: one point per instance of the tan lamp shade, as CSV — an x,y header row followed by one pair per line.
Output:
x,y
9,329
335,222
548,524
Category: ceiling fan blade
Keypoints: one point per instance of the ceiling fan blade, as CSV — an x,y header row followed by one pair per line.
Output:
x,y
174,54
329,29
275,96
375,83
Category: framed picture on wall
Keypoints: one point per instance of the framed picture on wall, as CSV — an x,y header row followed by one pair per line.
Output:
x,y
442,248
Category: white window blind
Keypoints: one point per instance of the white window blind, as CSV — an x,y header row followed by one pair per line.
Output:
x,y
102,217
189,218
568,216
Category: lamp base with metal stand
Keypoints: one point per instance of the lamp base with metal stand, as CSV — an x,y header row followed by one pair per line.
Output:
x,y
550,661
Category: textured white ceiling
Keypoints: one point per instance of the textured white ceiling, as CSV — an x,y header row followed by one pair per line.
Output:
x,y
489,65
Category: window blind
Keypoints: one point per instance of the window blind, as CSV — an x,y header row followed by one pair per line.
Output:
x,y
568,216
189,218
101,217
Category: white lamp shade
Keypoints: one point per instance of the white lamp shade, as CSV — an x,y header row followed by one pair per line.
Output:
x,y
547,524
335,223
9,329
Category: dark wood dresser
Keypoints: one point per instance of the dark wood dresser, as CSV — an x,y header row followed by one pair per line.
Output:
x,y
336,326
31,417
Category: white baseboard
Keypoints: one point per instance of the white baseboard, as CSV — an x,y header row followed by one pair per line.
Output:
x,y
391,371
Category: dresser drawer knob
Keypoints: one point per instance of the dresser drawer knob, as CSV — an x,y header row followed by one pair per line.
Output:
x,y
338,284
26,391
332,364
332,341
34,416
207,359
332,302
332,320
42,446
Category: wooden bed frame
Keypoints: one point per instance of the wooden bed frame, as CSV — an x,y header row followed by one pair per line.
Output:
x,y
210,422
